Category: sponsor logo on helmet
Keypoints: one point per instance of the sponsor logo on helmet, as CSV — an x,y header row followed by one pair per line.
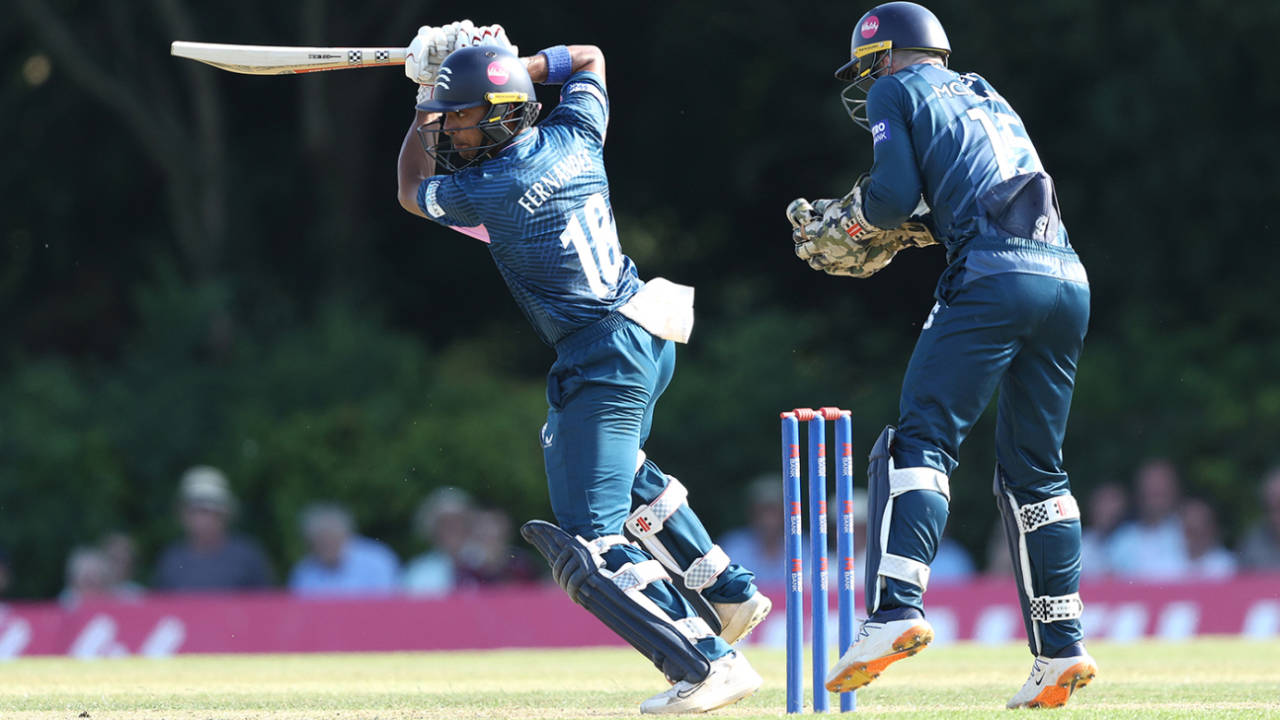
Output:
x,y
498,75
870,26
444,77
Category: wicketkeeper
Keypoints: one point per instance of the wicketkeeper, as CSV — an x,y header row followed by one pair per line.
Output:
x,y
627,545
954,164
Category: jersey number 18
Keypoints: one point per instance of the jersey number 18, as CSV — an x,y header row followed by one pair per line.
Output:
x,y
597,247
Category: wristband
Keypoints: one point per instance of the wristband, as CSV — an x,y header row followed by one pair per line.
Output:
x,y
559,64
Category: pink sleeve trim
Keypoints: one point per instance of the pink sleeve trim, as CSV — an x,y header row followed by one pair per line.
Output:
x,y
479,232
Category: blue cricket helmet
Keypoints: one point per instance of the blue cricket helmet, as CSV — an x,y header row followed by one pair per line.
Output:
x,y
888,27
481,75
885,28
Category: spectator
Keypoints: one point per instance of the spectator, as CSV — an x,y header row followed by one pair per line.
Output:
x,y
1108,505
6,572
759,544
1260,549
210,558
999,562
859,532
121,554
488,556
340,562
442,520
1152,546
1207,559
951,564
88,577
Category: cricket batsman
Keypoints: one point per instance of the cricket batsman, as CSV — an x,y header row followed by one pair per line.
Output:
x,y
954,164
626,545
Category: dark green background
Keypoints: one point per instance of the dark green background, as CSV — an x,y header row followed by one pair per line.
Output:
x,y
197,266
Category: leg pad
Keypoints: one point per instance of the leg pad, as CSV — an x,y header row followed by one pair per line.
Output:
x,y
615,599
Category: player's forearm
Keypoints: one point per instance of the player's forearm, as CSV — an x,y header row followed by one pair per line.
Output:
x,y
414,164
888,206
581,57
895,185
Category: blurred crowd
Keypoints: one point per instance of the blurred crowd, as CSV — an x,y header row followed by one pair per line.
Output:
x,y
1149,531
1153,531
467,546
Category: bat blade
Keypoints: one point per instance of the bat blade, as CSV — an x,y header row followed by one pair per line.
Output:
x,y
284,60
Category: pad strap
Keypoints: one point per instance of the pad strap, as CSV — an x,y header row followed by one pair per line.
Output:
x,y
902,480
648,519
1052,608
637,576
694,628
602,543
904,569
1056,509
704,570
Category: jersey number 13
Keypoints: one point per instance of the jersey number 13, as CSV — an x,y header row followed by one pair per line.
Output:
x,y
597,245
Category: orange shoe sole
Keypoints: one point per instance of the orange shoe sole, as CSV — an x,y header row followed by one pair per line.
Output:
x,y
1057,694
859,674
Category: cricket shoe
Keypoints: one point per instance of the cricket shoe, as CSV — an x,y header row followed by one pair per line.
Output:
x,y
884,638
739,619
1053,680
731,679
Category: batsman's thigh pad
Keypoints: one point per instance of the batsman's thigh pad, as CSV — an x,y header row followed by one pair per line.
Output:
x,y
1047,573
886,484
615,598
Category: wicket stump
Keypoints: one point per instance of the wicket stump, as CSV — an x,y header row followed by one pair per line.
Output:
x,y
792,502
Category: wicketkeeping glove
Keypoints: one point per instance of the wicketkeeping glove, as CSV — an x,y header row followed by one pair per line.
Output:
x,y
834,236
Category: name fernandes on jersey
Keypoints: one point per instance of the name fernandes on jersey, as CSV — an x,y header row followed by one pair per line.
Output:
x,y
555,178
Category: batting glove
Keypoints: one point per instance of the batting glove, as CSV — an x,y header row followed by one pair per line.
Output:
x,y
425,53
490,35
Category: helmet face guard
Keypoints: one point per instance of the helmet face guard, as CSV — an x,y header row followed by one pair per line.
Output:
x,y
507,115
869,63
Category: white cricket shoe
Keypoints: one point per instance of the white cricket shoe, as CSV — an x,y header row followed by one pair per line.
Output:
x,y
732,678
878,645
739,619
1053,680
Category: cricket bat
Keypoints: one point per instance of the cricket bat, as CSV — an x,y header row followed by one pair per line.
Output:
x,y
283,60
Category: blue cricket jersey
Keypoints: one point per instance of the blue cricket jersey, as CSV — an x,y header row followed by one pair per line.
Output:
x,y
542,205
952,139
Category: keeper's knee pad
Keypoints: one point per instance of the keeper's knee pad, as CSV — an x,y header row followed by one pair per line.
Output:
x,y
886,484
1045,564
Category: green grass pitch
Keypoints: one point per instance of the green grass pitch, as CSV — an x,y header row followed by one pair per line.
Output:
x,y
1202,679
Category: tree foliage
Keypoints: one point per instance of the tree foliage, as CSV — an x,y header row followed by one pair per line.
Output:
x,y
203,267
